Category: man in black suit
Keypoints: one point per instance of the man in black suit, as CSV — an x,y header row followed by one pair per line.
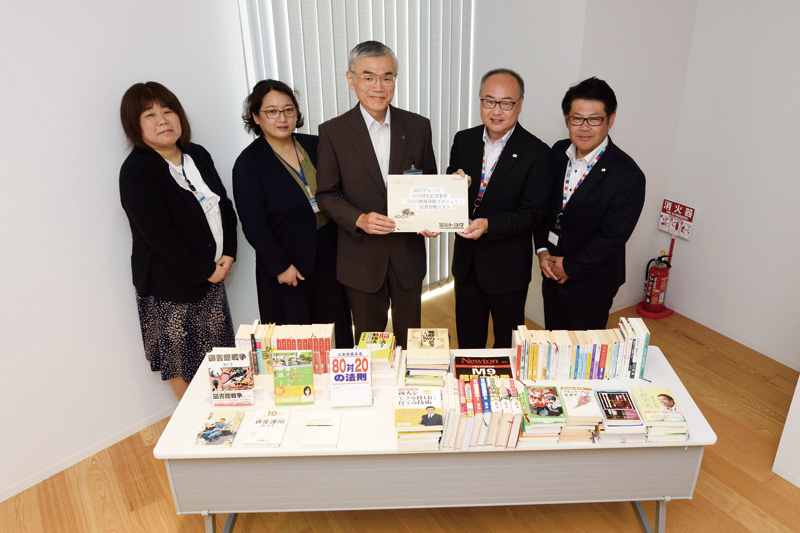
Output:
x,y
432,418
598,194
357,150
511,173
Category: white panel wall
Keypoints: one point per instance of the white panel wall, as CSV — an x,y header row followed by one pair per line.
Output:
x,y
735,161
76,379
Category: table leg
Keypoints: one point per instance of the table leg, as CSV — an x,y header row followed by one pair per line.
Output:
x,y
661,516
211,524
230,522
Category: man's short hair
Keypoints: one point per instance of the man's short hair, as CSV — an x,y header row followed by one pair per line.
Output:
x,y
370,49
591,89
504,71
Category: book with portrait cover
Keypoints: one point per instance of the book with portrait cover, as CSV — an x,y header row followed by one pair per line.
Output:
x,y
294,377
219,429
658,407
418,409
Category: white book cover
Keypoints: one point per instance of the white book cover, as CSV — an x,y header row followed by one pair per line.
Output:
x,y
418,202
268,428
351,377
322,429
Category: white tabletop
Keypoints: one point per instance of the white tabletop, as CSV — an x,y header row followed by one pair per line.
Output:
x,y
370,430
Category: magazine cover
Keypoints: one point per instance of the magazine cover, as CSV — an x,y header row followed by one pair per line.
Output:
x,y
219,428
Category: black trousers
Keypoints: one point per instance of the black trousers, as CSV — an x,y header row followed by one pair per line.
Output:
x,y
473,307
371,309
576,305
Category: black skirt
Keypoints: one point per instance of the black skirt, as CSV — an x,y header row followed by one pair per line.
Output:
x,y
177,336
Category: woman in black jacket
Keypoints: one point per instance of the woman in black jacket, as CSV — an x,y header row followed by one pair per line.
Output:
x,y
184,235
274,183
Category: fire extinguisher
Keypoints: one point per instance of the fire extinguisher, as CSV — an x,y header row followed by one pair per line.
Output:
x,y
655,288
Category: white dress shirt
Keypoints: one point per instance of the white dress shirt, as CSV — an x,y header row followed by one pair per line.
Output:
x,y
381,135
210,203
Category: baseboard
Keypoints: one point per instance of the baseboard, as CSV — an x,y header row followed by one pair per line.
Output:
x,y
83,454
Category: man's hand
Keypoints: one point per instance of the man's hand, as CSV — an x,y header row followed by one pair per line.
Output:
x,y
461,173
375,223
429,233
544,265
290,276
474,231
557,266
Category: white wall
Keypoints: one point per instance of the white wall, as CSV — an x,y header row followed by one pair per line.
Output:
x,y
735,161
76,379
708,108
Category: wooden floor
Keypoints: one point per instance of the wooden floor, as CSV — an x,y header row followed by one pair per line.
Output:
x,y
744,396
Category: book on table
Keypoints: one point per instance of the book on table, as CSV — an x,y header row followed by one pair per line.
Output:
x,y
219,429
381,345
468,367
268,428
351,377
230,374
418,409
294,377
322,429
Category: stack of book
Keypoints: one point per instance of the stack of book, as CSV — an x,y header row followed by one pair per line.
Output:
x,y
486,413
230,374
662,418
594,354
219,429
315,338
256,337
381,345
543,415
583,414
418,418
621,421
427,357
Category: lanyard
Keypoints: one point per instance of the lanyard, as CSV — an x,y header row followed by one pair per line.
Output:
x,y
485,179
566,185
199,195
301,174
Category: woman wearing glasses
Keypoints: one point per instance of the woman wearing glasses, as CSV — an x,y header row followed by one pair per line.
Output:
x,y
184,235
274,184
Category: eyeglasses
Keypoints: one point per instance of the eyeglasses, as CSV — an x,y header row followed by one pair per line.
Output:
x,y
372,79
505,105
272,114
578,121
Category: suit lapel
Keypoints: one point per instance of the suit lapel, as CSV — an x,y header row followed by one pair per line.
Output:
x,y
362,145
595,176
505,163
399,161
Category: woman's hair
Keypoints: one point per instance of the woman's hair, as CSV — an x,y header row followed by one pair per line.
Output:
x,y
252,104
139,97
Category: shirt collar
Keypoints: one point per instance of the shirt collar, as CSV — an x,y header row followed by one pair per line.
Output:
x,y
503,140
572,152
370,120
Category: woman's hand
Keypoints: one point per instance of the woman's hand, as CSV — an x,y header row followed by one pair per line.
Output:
x,y
226,262
220,273
290,276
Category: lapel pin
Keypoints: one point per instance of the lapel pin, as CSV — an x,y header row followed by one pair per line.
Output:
x,y
602,170
513,155
403,137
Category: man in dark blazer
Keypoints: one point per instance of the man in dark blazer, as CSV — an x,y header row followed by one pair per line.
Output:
x,y
598,194
510,172
432,418
357,151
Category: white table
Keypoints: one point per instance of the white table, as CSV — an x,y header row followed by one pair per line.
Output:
x,y
365,471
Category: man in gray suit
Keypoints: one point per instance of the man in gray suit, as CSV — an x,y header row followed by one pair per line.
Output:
x,y
357,151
